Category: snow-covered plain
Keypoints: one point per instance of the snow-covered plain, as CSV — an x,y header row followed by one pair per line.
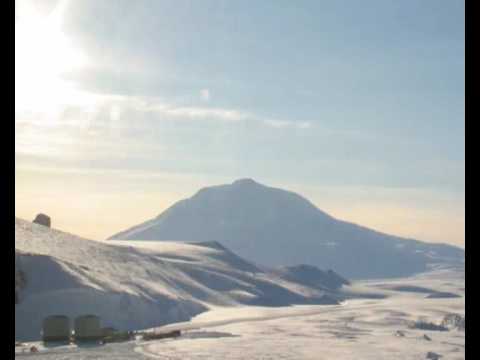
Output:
x,y
356,329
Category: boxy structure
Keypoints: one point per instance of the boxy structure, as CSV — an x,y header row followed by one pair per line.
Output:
x,y
56,328
108,331
87,328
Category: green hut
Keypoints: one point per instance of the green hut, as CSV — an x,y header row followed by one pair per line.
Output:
x,y
56,328
87,328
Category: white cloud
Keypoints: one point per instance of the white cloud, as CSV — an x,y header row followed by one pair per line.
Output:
x,y
110,118
222,114
204,113
205,94
170,111
115,112
287,124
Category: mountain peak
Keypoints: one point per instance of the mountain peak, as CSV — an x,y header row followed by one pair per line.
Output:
x,y
245,182
276,227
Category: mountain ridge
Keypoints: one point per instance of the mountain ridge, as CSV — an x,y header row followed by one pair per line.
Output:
x,y
276,227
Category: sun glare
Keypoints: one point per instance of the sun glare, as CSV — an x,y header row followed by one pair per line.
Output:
x,y
43,53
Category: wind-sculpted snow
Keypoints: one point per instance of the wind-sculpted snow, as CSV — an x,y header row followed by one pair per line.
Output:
x,y
274,227
136,285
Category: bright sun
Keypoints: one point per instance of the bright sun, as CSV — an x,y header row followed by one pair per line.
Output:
x,y
43,53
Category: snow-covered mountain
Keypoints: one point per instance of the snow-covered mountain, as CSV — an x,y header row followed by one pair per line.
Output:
x,y
280,228
136,285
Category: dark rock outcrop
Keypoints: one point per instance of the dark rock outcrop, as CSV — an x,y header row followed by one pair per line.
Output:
x,y
312,276
454,321
442,295
42,219
425,325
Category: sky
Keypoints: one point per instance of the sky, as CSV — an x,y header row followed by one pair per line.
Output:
x,y
124,107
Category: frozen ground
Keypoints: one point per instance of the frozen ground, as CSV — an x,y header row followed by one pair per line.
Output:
x,y
357,329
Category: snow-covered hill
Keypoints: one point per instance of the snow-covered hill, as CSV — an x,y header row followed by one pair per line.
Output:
x,y
279,228
135,285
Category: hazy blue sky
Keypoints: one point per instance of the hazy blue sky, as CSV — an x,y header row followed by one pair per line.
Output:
x,y
123,107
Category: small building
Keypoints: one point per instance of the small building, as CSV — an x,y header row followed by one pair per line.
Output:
x,y
108,331
87,328
56,328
